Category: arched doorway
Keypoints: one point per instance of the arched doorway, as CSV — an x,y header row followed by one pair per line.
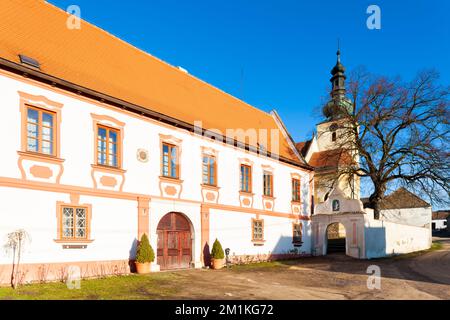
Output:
x,y
174,242
336,238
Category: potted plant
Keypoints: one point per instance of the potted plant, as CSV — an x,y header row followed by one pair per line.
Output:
x,y
217,255
144,255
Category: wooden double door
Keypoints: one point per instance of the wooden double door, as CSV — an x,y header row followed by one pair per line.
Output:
x,y
174,242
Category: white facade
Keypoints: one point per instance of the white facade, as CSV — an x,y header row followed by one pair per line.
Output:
x,y
125,203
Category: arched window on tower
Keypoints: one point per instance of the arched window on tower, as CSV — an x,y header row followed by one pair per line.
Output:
x,y
333,136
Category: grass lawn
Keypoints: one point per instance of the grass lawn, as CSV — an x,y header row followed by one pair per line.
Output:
x,y
131,287
161,285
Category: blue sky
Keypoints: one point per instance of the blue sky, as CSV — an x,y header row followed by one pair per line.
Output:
x,y
278,54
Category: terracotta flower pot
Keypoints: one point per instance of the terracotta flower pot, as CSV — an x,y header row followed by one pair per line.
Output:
x,y
217,264
142,268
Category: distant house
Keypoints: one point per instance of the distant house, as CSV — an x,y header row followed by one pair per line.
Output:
x,y
404,207
440,220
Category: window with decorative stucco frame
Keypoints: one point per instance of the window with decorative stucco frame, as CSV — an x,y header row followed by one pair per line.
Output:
x,y
41,123
74,223
258,231
297,234
267,183
245,178
296,194
108,146
170,161
209,170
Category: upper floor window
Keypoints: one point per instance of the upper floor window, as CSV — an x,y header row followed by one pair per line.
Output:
x,y
268,183
170,161
296,190
40,131
246,178
108,146
209,170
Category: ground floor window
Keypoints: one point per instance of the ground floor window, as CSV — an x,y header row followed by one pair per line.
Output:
x,y
257,230
297,234
74,222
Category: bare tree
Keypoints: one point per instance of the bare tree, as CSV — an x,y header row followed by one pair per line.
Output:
x,y
396,134
15,244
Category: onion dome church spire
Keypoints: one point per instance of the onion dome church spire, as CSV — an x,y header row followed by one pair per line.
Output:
x,y
339,102
338,78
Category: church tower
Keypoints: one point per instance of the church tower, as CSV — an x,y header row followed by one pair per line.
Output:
x,y
325,151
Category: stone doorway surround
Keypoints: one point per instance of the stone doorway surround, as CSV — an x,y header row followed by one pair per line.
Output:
x,y
339,209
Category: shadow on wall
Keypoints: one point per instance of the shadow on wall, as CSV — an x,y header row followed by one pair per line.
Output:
x,y
132,255
305,200
285,246
283,250
375,238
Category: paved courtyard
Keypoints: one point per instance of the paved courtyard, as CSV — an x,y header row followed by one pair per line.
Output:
x,y
424,276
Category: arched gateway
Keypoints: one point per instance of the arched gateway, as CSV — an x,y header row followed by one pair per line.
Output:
x,y
174,242
338,226
336,238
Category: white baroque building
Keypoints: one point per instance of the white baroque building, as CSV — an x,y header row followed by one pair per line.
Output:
x,y
103,143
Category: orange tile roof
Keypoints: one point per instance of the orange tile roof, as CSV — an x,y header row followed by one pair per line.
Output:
x,y
303,147
95,59
329,159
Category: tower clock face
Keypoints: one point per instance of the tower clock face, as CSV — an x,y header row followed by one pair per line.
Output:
x,y
333,127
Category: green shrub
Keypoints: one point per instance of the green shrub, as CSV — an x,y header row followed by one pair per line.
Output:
x,y
144,252
217,251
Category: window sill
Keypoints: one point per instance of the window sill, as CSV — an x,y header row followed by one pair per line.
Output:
x,y
170,179
268,197
209,186
296,202
73,241
108,168
258,242
297,243
245,193
40,156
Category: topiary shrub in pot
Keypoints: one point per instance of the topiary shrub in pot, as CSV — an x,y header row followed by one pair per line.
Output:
x,y
217,255
144,255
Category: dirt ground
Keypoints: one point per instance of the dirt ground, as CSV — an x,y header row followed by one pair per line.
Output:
x,y
333,277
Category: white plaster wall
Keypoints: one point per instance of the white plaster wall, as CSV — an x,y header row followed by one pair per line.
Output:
x,y
113,226
313,147
234,231
384,238
419,217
